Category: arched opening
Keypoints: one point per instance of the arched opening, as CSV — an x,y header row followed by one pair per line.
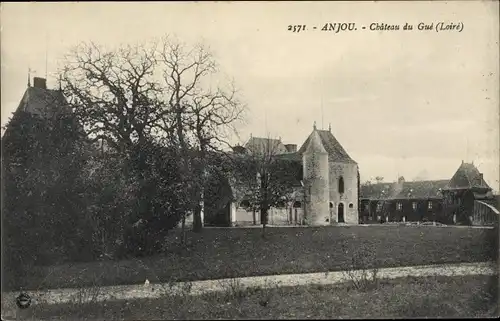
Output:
x,y
341,185
297,204
331,205
340,213
245,204
351,205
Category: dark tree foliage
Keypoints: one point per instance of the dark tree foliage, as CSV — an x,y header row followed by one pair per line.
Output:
x,y
43,199
160,198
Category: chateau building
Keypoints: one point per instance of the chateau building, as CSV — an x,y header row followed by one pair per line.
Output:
x,y
323,183
324,187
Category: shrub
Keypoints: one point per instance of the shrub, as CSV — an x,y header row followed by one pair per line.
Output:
x,y
361,270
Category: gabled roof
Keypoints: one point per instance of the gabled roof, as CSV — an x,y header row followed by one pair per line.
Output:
x,y
259,145
336,153
404,190
43,102
467,176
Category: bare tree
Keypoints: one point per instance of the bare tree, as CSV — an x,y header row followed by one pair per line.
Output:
x,y
201,115
159,92
267,176
114,93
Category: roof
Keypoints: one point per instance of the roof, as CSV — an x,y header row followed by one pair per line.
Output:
x,y
315,145
260,145
467,176
336,152
402,190
42,102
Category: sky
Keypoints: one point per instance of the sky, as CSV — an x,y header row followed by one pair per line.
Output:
x,y
402,103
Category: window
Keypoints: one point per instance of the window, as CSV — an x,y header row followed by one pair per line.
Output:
x,y
367,207
429,205
297,204
351,205
341,185
331,205
379,207
414,206
399,206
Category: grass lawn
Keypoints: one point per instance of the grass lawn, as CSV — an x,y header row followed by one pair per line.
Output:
x,y
472,296
237,252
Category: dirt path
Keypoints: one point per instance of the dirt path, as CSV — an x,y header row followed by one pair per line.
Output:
x,y
199,287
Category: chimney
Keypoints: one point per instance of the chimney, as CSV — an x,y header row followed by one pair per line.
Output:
x,y
291,148
40,82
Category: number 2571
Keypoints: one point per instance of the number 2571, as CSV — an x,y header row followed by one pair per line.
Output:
x,y
296,28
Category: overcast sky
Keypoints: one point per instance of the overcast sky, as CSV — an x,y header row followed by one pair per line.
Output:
x,y
401,103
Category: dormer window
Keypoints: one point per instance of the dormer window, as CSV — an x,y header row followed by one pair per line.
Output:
x,y
399,206
429,205
341,185
414,206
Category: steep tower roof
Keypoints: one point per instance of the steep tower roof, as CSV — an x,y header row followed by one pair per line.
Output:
x,y
467,176
39,100
315,145
336,152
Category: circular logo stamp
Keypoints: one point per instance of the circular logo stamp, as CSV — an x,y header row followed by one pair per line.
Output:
x,y
23,301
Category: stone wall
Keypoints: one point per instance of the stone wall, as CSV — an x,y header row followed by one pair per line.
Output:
x,y
316,188
349,172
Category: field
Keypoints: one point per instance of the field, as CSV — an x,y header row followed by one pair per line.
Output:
x,y
472,296
237,252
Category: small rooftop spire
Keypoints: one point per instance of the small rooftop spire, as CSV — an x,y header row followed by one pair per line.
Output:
x,y
60,82
330,127
314,125
29,77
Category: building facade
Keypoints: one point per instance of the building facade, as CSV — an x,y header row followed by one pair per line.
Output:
x,y
465,199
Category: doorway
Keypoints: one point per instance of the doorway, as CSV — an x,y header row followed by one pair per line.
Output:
x,y
341,213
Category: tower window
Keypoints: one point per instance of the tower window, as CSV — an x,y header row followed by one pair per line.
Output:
x,y
341,185
351,205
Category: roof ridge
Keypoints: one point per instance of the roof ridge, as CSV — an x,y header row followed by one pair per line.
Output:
x,y
466,173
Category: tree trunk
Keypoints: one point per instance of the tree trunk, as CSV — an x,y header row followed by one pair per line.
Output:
x,y
254,217
183,230
263,218
197,223
184,160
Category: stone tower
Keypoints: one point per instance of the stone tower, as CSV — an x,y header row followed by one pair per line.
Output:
x,y
316,182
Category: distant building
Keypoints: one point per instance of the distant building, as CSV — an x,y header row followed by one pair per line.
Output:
x,y
468,198
464,199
